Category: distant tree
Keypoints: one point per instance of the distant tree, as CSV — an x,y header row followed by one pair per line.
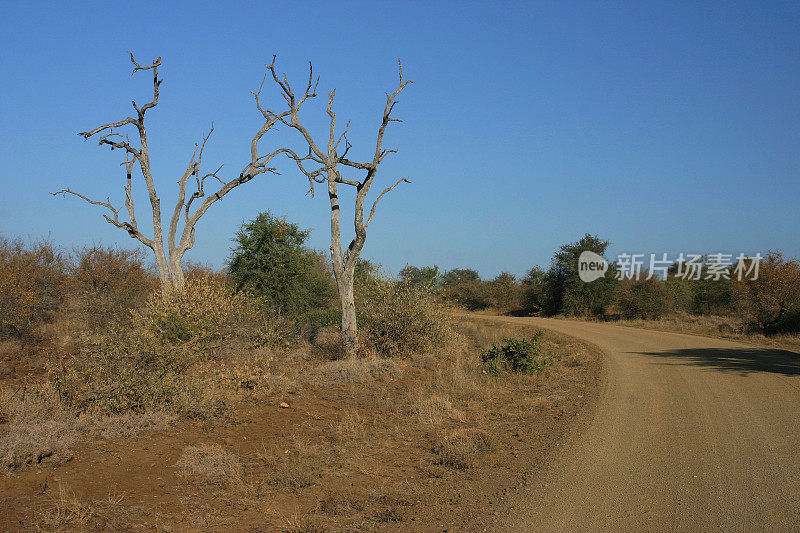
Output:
x,y
270,262
712,296
643,298
537,293
681,295
572,296
772,302
463,287
503,292
460,275
420,276
705,295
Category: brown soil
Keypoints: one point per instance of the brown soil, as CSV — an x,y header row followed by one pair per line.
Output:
x,y
341,457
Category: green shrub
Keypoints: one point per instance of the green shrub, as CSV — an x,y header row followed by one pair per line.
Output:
x,y
270,263
569,294
536,293
503,292
711,297
588,299
516,355
789,322
309,324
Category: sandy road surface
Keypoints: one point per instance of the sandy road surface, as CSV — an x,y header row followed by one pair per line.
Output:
x,y
690,434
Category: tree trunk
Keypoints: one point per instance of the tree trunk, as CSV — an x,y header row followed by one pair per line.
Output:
x,y
349,326
163,270
176,273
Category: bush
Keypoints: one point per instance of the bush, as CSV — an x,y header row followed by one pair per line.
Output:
x,y
32,286
788,323
201,315
570,295
771,303
680,294
397,318
516,355
711,297
108,283
309,324
147,364
588,299
643,298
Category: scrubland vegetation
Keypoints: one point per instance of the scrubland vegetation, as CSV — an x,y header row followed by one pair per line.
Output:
x,y
765,310
265,410
265,413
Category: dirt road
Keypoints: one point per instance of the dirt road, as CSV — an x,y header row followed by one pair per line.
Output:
x,y
690,434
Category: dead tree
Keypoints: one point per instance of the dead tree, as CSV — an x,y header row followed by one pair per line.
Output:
x,y
180,237
325,164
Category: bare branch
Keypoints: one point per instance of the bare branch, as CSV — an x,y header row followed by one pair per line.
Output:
x,y
87,134
155,64
130,227
355,164
156,83
353,183
375,204
129,190
314,176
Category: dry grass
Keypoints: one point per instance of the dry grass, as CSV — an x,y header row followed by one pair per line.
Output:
x,y
23,444
433,409
298,465
726,327
140,377
212,463
460,448
70,512
357,431
355,371
35,426
350,428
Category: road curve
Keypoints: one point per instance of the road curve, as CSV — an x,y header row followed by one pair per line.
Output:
x,y
690,434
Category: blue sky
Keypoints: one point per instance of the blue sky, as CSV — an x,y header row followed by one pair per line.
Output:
x,y
660,126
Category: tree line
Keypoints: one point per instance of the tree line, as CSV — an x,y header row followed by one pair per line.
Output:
x,y
769,304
